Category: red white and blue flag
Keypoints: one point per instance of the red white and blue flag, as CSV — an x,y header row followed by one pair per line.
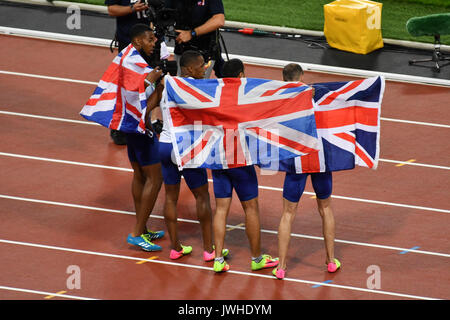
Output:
x,y
348,124
119,101
233,122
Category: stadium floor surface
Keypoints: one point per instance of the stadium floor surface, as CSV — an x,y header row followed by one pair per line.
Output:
x,y
66,201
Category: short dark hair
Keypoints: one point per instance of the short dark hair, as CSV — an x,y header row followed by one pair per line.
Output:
x,y
232,68
188,57
139,29
292,72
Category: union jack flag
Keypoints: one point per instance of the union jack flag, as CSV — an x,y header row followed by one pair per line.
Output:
x,y
232,122
348,125
119,101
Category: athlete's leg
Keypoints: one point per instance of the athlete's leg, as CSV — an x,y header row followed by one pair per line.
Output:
x,y
294,185
284,231
328,226
204,214
220,223
170,214
252,225
245,182
322,184
172,179
146,185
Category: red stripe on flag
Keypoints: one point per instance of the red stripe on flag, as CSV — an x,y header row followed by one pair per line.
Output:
x,y
346,136
310,162
287,86
133,109
234,156
358,151
111,74
364,157
229,114
346,116
118,110
141,65
191,91
142,125
104,96
335,94
197,149
282,141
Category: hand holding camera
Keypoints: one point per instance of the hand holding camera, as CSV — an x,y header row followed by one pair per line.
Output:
x,y
139,6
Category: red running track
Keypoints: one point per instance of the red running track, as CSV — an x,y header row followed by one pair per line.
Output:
x,y
55,214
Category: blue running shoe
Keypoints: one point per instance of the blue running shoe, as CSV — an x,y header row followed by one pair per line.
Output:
x,y
143,242
154,235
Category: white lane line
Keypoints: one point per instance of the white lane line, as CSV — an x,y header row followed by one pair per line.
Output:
x,y
407,163
9,113
417,122
209,269
210,180
39,76
76,163
45,293
297,235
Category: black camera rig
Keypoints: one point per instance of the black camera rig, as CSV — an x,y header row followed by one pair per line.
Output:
x,y
163,19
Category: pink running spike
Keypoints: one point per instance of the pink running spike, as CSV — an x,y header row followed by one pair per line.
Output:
x,y
209,256
279,273
176,254
333,266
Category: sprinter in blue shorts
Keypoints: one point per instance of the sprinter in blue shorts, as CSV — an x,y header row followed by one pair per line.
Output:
x,y
192,65
244,181
294,185
144,157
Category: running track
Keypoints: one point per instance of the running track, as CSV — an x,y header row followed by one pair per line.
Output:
x,y
65,200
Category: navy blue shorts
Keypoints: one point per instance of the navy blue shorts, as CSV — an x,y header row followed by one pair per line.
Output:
x,y
171,175
294,185
242,179
142,149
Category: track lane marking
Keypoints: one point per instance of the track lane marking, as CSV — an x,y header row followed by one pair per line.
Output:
x,y
8,288
296,235
85,164
210,269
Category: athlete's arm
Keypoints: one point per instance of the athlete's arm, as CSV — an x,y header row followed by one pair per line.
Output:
x,y
153,101
215,22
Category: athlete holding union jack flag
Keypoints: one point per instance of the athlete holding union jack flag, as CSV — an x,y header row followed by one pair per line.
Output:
x,y
192,66
347,119
119,103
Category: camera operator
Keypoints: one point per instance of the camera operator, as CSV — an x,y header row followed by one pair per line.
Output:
x,y
198,24
127,14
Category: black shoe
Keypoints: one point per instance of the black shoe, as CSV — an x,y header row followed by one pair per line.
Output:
x,y
118,137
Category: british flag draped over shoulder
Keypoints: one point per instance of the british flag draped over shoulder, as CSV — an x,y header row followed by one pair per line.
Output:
x,y
226,123
348,125
119,101
232,122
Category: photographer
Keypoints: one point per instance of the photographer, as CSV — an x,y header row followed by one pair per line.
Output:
x,y
127,13
198,24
